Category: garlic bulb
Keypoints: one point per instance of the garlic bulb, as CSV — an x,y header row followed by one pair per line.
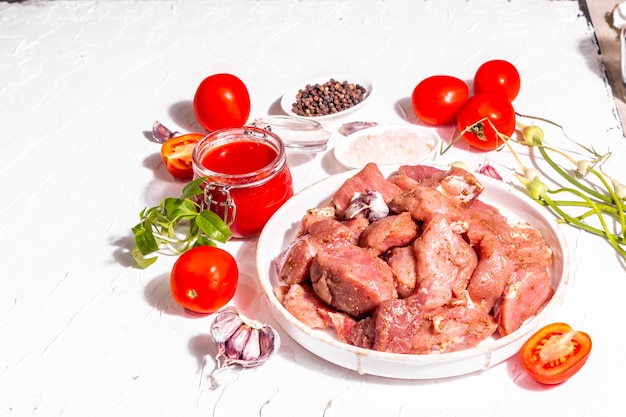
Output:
x,y
371,203
242,341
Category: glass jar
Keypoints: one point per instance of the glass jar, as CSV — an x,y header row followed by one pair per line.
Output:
x,y
247,177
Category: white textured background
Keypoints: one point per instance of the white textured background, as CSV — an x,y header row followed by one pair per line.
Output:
x,y
84,333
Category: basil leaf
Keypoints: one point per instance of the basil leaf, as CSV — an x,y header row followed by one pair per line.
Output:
x,y
213,226
144,239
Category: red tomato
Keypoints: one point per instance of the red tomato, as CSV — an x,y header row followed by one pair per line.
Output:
x,y
479,113
437,99
204,279
176,154
555,353
221,101
497,76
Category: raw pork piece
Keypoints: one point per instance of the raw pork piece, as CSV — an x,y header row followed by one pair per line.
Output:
x,y
445,263
492,272
409,176
352,279
404,267
294,263
389,232
457,183
420,172
425,202
485,219
489,234
528,246
301,301
368,178
314,215
528,290
403,182
306,306
402,326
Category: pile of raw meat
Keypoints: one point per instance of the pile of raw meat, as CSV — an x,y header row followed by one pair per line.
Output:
x,y
413,263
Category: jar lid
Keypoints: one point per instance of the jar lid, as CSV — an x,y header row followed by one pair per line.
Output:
x,y
298,135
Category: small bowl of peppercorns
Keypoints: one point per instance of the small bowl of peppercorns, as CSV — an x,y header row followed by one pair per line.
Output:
x,y
327,98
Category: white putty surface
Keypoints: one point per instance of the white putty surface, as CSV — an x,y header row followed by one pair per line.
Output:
x,y
84,333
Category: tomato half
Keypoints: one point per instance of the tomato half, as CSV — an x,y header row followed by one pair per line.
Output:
x,y
478,117
176,154
204,279
555,353
221,101
497,76
436,100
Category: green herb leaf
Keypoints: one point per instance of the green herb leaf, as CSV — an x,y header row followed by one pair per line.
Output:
x,y
144,240
176,225
193,189
142,261
213,226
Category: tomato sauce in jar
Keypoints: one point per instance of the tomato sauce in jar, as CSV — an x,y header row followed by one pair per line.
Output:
x,y
247,177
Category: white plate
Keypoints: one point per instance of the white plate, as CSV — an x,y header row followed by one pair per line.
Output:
x,y
289,97
281,228
376,140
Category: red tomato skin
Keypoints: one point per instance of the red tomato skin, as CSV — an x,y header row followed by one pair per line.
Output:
x,y
436,100
221,101
176,155
204,279
560,373
492,106
497,76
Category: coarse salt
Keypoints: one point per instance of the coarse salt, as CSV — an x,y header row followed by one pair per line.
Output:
x,y
397,146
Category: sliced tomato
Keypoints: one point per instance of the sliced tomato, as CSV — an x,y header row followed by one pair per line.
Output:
x,y
555,353
176,154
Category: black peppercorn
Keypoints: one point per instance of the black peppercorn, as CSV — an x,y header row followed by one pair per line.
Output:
x,y
328,98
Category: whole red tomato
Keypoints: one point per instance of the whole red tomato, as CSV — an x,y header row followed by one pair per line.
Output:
x,y
204,279
497,76
478,117
221,101
555,353
437,99
176,154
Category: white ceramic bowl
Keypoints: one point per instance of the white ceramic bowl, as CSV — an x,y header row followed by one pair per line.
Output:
x,y
388,145
281,228
289,97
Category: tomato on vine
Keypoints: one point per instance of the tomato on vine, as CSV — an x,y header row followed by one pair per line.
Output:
x,y
497,76
555,353
221,101
437,99
204,279
478,117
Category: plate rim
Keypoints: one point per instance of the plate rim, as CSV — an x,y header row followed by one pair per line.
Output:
x,y
417,361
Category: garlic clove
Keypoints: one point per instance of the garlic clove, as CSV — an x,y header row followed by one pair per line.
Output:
x,y
242,341
252,350
490,171
371,203
269,342
225,324
237,342
347,129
